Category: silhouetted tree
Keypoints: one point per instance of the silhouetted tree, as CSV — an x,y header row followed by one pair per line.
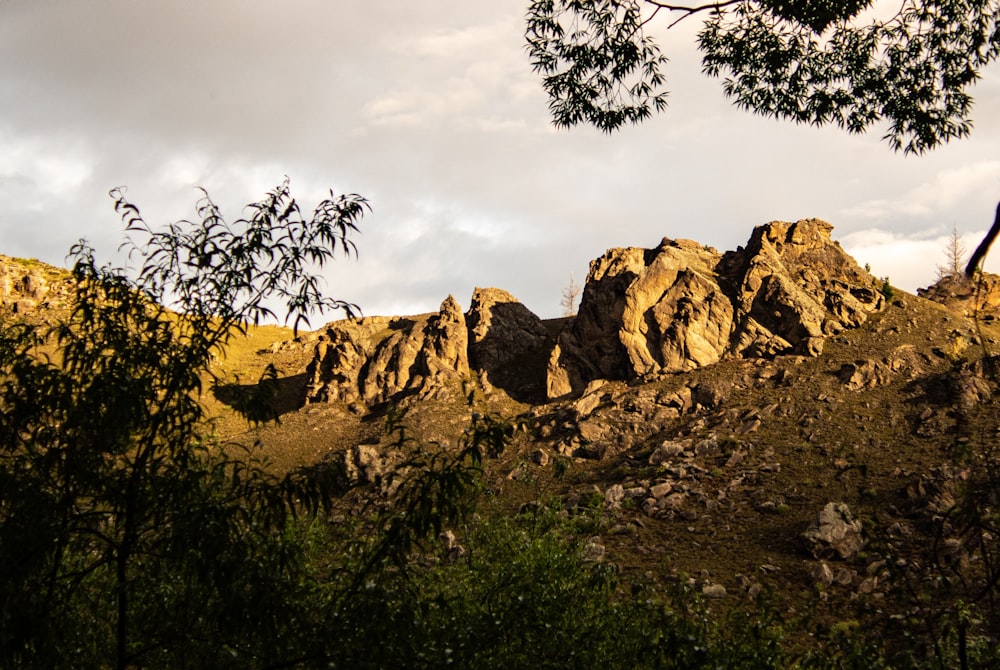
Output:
x,y
128,537
848,63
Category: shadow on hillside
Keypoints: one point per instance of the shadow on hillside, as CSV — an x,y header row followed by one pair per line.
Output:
x,y
264,400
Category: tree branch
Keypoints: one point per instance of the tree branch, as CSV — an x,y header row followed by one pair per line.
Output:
x,y
687,10
980,253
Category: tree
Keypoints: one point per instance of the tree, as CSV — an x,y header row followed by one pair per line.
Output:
x,y
569,296
818,61
821,62
954,266
129,536
112,489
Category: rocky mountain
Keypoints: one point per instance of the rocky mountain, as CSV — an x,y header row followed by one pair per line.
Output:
x,y
767,420
677,307
772,418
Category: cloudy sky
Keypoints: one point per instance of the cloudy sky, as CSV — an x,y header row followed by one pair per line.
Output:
x,y
430,110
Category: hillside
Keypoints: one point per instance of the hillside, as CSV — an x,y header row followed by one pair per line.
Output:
x,y
710,471
772,420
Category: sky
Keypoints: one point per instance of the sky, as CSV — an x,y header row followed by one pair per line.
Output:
x,y
430,111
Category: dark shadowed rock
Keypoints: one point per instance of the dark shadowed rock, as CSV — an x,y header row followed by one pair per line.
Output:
x,y
508,344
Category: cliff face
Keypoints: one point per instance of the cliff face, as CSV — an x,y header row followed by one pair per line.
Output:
x,y
677,307
28,287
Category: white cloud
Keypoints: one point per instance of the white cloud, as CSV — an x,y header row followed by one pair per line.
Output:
x,y
947,188
911,261
431,111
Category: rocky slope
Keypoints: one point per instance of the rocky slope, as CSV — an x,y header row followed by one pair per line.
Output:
x,y
28,287
771,419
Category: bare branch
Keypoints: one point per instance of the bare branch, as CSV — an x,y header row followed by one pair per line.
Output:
x,y
688,10
980,253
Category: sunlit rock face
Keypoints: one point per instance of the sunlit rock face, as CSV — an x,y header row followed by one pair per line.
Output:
x,y
375,360
980,295
681,305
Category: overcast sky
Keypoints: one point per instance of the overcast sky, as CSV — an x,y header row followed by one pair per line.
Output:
x,y
431,111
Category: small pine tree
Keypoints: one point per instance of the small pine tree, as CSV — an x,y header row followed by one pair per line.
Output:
x,y
569,296
954,257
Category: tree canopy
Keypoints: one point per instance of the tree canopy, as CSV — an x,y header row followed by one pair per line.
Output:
x,y
906,64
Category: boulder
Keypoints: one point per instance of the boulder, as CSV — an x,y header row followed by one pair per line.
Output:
x,y
834,533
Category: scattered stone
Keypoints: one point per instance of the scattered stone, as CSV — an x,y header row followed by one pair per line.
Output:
x,y
539,457
822,574
661,489
594,551
614,496
713,590
835,533
666,452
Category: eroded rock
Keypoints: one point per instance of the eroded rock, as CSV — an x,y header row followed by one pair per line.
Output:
x,y
682,306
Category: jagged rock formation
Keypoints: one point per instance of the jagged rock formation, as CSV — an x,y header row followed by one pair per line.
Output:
x,y
682,306
22,289
375,359
677,307
508,344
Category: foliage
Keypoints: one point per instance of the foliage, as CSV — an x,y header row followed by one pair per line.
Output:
x,y
886,290
127,533
522,596
814,62
598,66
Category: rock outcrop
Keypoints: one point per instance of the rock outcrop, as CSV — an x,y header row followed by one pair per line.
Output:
x,y
677,307
24,287
508,343
967,296
376,359
682,306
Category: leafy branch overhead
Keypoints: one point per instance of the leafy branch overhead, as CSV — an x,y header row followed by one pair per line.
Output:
x,y
215,269
851,63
